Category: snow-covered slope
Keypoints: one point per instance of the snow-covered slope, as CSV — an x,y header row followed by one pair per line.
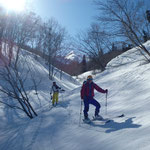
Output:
x,y
59,129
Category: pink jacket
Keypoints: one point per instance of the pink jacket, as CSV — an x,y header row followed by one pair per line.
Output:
x,y
88,89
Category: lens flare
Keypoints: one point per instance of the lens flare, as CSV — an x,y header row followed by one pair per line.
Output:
x,y
15,5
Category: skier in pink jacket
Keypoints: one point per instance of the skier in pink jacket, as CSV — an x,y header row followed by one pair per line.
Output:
x,y
87,94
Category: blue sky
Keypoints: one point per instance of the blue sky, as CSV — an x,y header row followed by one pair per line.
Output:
x,y
74,15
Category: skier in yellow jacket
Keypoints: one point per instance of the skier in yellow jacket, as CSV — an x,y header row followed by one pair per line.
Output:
x,y
55,89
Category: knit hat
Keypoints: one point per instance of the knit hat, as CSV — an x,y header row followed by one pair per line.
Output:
x,y
89,77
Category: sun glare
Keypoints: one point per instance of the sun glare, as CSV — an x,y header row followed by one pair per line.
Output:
x,y
15,5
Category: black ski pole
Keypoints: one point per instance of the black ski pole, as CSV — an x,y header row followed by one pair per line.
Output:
x,y
106,105
50,100
80,113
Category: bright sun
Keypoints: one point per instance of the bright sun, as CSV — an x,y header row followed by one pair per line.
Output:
x,y
15,5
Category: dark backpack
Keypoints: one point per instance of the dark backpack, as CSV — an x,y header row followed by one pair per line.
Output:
x,y
148,15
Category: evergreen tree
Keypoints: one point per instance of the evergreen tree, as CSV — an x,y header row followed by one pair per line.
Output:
x,y
84,64
113,47
145,36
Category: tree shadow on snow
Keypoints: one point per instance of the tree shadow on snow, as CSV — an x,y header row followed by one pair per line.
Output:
x,y
115,126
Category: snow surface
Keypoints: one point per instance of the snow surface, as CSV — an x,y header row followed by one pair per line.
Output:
x,y
59,128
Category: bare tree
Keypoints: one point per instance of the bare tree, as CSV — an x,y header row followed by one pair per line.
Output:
x,y
2,27
16,79
53,40
16,32
94,43
16,82
124,18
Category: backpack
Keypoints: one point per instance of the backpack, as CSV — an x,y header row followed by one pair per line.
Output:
x,y
55,88
148,15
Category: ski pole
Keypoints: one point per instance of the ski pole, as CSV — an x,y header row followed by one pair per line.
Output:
x,y
62,97
50,100
80,113
106,105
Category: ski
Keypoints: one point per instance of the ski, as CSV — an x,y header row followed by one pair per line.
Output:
x,y
115,117
106,120
90,121
122,115
119,116
87,121
52,106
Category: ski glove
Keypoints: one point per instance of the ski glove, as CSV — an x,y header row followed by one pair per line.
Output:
x,y
106,91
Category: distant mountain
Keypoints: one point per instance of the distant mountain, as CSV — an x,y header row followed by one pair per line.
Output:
x,y
72,56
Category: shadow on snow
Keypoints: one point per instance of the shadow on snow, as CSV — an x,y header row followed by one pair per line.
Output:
x,y
115,126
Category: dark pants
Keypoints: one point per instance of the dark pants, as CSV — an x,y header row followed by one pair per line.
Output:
x,y
90,100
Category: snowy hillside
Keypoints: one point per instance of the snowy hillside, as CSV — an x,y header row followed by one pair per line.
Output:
x,y
127,80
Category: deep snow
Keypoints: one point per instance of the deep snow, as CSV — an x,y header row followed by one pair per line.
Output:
x,y
126,78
